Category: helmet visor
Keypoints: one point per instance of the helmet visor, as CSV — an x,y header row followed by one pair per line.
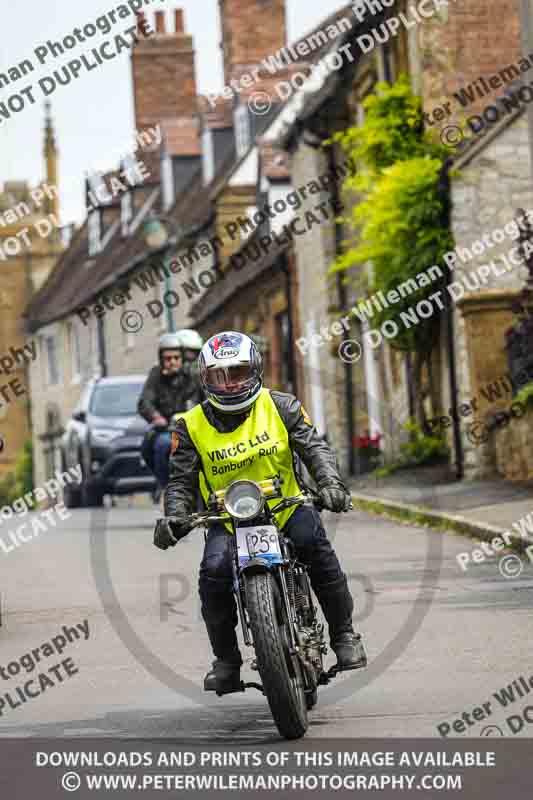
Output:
x,y
229,380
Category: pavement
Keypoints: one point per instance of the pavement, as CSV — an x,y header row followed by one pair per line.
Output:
x,y
488,506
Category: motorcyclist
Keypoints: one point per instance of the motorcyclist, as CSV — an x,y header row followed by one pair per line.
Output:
x,y
218,439
169,388
191,346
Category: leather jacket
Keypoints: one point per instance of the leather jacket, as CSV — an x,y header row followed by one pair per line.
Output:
x,y
167,394
185,463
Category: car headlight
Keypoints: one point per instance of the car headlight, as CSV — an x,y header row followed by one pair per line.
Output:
x,y
104,435
244,500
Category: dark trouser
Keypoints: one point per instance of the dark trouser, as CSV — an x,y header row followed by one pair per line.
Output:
x,y
161,455
313,548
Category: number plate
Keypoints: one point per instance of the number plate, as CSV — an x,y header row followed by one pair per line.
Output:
x,y
261,541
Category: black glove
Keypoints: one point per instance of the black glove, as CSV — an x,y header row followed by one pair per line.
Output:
x,y
168,533
335,498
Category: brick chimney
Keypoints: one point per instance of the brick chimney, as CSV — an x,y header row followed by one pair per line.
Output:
x,y
473,40
251,30
164,81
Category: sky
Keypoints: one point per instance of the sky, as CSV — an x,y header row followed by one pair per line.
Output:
x,y
93,115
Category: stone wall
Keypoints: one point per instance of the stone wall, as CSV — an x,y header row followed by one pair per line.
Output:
x,y
462,42
493,182
512,448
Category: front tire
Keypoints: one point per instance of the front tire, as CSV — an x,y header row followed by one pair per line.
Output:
x,y
91,497
280,673
72,496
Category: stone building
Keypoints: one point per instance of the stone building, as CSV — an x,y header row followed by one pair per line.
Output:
x,y
193,242
445,56
146,254
492,179
349,396
30,244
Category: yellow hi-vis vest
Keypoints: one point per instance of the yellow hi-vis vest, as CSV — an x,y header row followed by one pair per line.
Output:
x,y
258,449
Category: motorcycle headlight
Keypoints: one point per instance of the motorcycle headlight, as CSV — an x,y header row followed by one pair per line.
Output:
x,y
244,500
105,435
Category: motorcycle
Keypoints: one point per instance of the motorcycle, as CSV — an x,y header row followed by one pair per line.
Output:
x,y
276,609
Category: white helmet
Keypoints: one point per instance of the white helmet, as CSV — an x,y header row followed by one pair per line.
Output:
x,y
169,341
190,340
191,344
231,371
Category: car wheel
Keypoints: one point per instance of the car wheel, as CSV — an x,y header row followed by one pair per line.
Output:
x,y
72,496
91,498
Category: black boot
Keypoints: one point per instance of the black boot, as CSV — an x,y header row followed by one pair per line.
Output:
x,y
337,604
220,617
225,676
350,651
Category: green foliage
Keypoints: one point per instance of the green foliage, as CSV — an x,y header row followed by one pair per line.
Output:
x,y
399,225
525,395
20,482
393,129
421,449
384,472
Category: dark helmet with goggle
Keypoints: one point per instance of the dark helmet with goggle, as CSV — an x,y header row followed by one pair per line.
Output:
x,y
231,371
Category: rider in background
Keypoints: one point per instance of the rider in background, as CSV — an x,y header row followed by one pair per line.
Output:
x,y
169,388
191,347
243,430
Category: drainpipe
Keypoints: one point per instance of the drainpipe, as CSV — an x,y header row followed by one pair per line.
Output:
x,y
285,268
101,347
343,301
452,365
526,25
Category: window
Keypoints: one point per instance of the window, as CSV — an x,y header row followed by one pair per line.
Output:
x,y
126,212
75,351
94,233
247,230
285,356
167,182
52,360
242,130
385,63
95,348
208,156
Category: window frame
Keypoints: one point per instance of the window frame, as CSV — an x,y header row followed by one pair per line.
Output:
x,y
243,129
74,344
47,338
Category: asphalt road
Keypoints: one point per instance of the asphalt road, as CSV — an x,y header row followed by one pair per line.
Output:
x,y
439,641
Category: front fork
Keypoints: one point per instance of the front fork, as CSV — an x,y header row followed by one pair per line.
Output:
x,y
293,645
237,590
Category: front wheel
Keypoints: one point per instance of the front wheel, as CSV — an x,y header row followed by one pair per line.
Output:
x,y
281,673
72,496
91,497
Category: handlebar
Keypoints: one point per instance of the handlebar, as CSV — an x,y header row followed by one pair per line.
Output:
x,y
307,499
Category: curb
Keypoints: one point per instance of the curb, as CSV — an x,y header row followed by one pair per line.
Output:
x,y
418,515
